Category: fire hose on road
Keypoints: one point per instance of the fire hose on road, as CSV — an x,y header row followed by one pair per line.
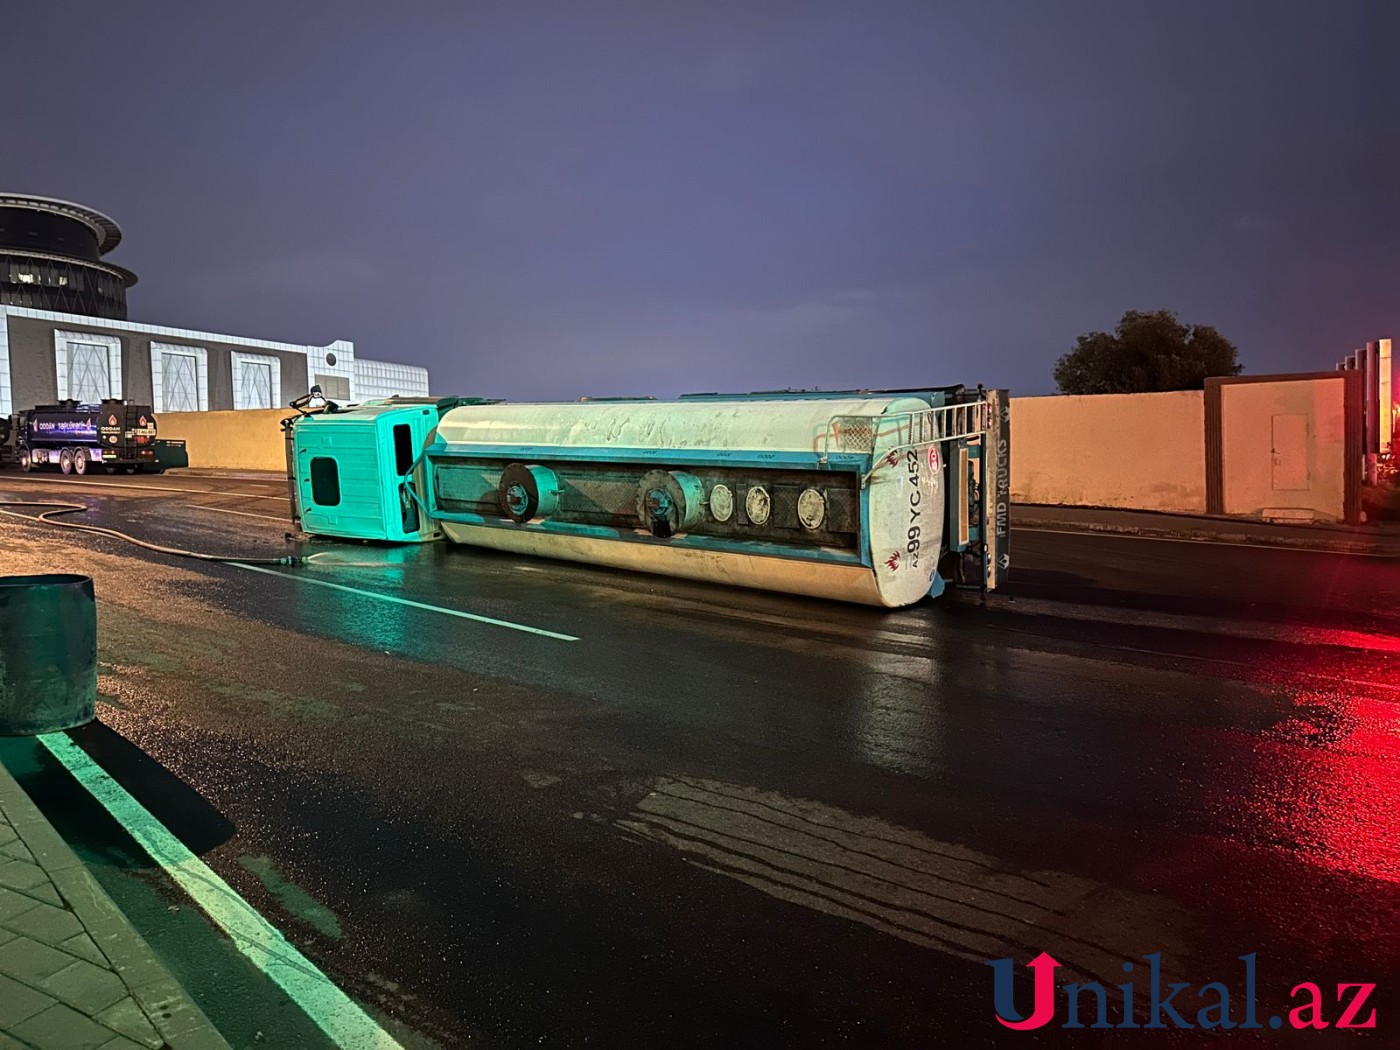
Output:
x,y
48,517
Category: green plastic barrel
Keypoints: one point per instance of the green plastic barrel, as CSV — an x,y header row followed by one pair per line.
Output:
x,y
48,653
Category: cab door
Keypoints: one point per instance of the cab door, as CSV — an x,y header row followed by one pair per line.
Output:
x,y
339,479
408,435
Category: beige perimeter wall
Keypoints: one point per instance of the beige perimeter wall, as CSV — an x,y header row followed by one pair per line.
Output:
x,y
1145,451
1142,451
246,440
1109,450
1284,448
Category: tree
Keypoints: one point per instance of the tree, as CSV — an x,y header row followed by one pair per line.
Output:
x,y
1147,351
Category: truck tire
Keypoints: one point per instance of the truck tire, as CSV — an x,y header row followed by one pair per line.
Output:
x,y
26,463
80,461
110,470
65,461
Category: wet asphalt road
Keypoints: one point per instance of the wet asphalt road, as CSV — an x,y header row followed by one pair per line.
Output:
x,y
722,819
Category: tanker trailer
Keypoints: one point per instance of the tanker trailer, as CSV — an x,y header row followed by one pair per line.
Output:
x,y
878,497
77,437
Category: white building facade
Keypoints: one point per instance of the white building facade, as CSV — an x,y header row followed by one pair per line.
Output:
x,y
47,356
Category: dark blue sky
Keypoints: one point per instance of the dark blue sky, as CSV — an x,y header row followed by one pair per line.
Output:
x,y
547,200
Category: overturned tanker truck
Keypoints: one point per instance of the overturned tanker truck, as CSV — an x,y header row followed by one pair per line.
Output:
x,y
874,496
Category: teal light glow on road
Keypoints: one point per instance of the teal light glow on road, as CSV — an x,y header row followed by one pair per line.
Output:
x,y
335,1013
412,604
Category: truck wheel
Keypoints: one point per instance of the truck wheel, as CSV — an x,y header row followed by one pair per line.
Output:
x,y
26,464
65,461
129,470
80,461
110,470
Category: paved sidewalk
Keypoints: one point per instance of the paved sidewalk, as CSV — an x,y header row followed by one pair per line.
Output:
x,y
73,972
1383,539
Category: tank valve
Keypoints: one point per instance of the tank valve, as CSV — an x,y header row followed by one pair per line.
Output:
x,y
528,491
670,502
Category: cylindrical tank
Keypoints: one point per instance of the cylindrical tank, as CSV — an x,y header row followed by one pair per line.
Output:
x,y
889,474
48,653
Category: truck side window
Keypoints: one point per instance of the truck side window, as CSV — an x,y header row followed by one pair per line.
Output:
x,y
325,481
403,449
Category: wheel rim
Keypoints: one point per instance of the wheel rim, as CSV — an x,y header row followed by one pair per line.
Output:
x,y
80,462
65,461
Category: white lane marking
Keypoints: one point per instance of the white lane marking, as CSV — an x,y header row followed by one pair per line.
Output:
x,y
148,488
342,1019
1207,543
491,620
240,513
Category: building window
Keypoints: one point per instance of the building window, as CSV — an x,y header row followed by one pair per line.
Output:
x,y
179,378
379,379
89,375
335,388
65,286
178,384
88,367
255,384
257,381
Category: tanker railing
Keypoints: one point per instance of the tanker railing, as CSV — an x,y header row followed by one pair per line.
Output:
x,y
911,430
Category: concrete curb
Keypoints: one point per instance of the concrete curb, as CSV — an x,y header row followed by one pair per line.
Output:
x,y
1383,547
176,1018
211,472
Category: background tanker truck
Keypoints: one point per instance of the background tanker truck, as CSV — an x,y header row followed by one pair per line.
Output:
x,y
77,438
873,496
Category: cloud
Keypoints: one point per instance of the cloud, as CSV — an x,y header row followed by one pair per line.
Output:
x,y
809,316
1256,225
730,70
313,274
